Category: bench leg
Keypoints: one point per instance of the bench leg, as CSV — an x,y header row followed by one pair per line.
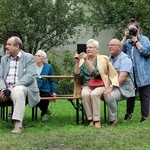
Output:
x,y
4,110
6,114
34,113
3,113
83,113
77,111
78,107
105,112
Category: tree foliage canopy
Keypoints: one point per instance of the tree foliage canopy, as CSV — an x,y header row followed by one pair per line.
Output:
x,y
41,23
106,14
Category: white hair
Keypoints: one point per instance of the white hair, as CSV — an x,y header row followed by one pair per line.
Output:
x,y
95,42
43,54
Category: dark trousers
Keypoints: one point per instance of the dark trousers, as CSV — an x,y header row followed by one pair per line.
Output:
x,y
144,93
43,104
131,100
130,105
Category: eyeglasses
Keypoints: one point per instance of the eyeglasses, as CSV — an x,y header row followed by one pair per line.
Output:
x,y
114,45
37,55
90,47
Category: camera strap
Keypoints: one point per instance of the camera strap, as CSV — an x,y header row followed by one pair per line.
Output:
x,y
132,55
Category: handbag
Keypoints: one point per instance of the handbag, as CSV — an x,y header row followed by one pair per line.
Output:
x,y
95,82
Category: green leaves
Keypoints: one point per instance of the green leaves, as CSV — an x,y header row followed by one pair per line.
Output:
x,y
47,24
41,24
106,14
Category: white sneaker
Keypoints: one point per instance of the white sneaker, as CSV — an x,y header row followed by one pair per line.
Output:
x,y
48,112
43,118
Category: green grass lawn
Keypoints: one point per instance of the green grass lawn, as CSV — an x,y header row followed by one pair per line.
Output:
x,y
61,132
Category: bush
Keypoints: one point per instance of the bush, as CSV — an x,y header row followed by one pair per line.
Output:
x,y
63,64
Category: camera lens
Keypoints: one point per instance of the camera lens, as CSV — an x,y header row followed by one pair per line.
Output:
x,y
133,31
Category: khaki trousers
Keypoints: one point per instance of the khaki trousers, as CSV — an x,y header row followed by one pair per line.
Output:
x,y
91,102
18,96
111,102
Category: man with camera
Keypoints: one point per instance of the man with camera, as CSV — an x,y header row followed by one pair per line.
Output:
x,y
137,46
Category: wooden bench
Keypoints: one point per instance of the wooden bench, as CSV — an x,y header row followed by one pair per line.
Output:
x,y
71,98
77,105
74,100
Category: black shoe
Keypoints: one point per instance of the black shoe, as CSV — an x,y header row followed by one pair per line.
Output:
x,y
143,119
127,117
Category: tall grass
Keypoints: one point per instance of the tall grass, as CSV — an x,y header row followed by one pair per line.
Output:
x,y
61,132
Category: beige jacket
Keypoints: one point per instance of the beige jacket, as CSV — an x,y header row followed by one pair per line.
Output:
x,y
107,72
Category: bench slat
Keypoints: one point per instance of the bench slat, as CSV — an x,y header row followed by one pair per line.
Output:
x,y
57,97
55,76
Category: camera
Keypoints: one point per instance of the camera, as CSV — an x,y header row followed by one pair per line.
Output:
x,y
133,31
7,92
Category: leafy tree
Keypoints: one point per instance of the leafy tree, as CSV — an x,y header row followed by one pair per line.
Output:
x,y
106,14
41,24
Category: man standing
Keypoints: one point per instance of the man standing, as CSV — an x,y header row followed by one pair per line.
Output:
x,y
17,80
123,65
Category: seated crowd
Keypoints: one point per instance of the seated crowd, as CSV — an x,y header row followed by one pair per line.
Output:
x,y
111,79
18,82
126,71
116,75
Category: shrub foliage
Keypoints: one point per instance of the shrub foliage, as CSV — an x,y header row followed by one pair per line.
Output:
x,y
63,64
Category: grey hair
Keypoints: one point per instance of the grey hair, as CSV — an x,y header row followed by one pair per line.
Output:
x,y
95,42
43,54
17,41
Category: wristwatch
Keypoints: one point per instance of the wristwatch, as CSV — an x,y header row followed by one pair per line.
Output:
x,y
135,42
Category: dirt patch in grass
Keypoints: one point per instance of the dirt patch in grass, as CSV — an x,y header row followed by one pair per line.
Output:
x,y
47,145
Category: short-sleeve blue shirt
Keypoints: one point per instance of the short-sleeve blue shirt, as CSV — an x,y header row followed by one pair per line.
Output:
x,y
125,63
